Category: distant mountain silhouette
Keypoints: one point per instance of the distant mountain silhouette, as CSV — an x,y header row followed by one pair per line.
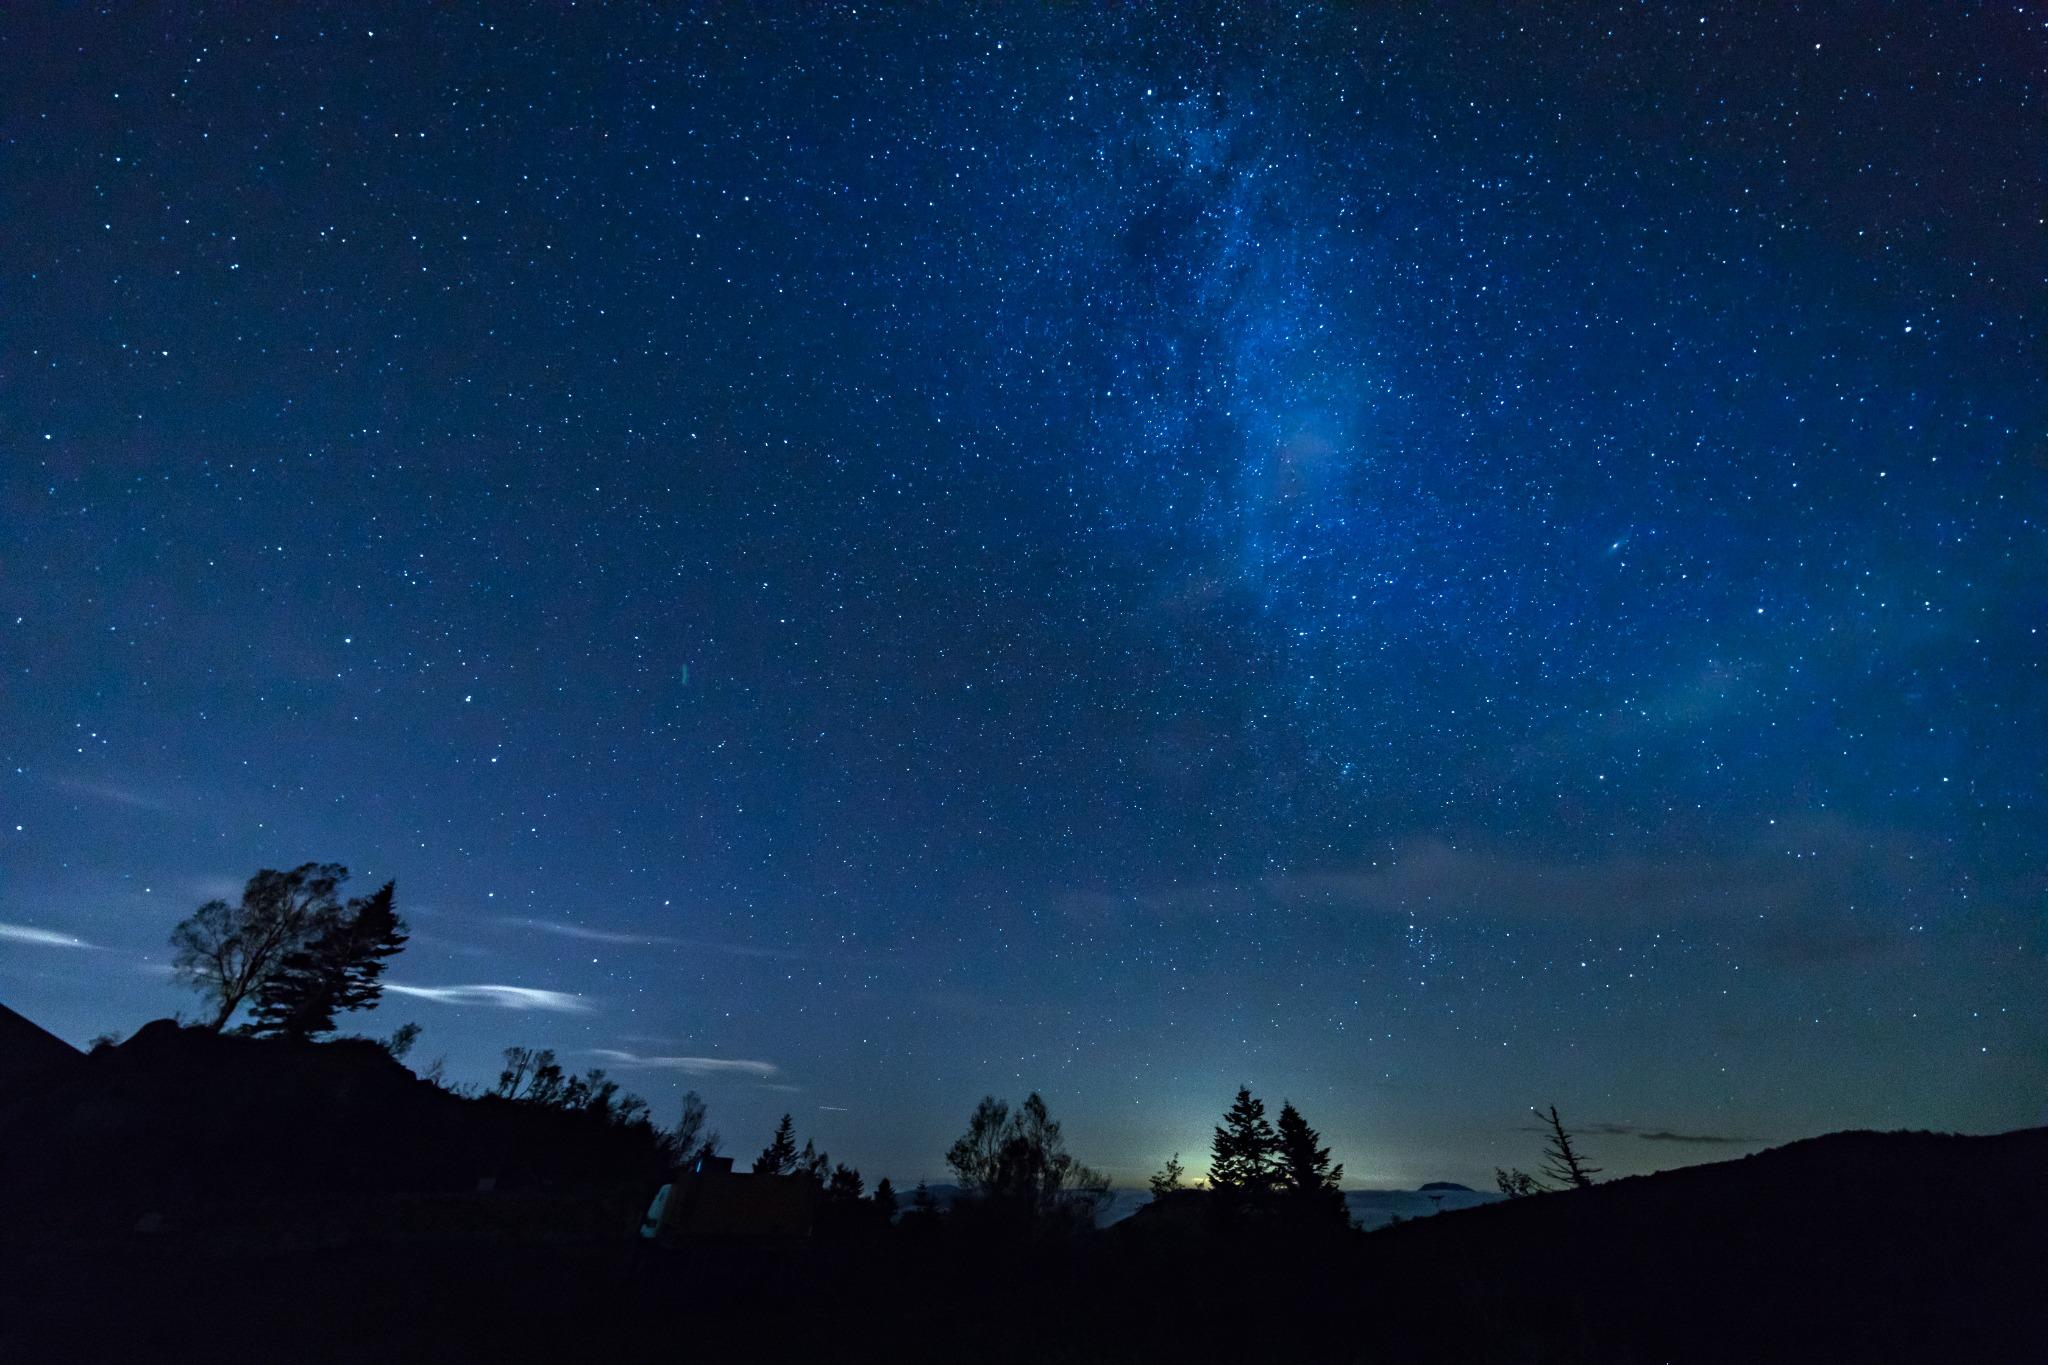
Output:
x,y
1447,1185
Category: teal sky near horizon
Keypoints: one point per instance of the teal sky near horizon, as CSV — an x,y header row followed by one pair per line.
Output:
x,y
851,559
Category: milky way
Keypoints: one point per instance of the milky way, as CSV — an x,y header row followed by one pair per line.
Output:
x,y
1422,562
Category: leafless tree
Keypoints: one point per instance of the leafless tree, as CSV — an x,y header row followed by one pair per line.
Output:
x,y
226,952
1561,1161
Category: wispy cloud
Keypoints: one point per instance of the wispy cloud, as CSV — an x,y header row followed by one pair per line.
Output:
x,y
589,934
1786,890
689,1066
112,794
42,938
1656,1134
1667,1135
563,929
504,997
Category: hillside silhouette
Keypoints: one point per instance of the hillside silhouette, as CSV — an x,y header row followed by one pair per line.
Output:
x,y
1856,1245
183,1129
342,1208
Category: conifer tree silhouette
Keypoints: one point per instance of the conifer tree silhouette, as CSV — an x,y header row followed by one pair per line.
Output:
x,y
337,971
1305,1167
1243,1155
779,1157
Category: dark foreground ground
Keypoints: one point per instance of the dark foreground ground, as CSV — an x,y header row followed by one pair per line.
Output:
x,y
1875,1247
193,1198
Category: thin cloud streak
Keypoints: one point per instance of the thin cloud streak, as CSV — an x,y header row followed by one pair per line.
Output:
x,y
1701,1139
689,1066
112,794
1654,1134
42,938
562,929
503,997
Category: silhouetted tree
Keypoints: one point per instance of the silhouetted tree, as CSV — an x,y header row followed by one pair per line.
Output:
x,y
1516,1183
691,1139
533,1076
226,952
1244,1154
401,1041
101,1042
845,1183
884,1199
336,970
595,1093
1561,1161
548,1081
779,1157
519,1067
922,1202
1019,1161
1168,1177
1304,1167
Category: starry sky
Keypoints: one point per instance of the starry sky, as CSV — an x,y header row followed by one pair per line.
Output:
x,y
1421,559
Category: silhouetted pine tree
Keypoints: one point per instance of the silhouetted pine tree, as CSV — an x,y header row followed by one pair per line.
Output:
x,y
339,970
1305,1170
884,1199
1243,1154
779,1156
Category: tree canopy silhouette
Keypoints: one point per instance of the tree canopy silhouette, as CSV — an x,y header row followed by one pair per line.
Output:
x,y
226,952
692,1137
1018,1161
336,970
1168,1178
1516,1183
1305,1172
1244,1154
780,1156
844,1183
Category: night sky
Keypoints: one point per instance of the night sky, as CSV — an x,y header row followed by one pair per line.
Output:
x,y
850,559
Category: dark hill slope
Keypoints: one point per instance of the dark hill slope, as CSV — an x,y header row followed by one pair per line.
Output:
x,y
1874,1246
185,1127
29,1054
1860,1246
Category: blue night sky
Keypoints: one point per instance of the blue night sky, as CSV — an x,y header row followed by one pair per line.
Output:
x,y
1425,562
